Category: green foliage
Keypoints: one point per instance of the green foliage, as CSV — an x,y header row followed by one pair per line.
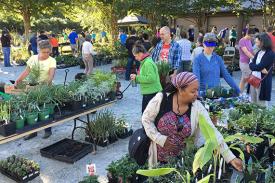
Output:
x,y
124,168
102,127
34,75
5,111
19,166
90,179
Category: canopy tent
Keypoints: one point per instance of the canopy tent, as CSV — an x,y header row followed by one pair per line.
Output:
x,y
132,20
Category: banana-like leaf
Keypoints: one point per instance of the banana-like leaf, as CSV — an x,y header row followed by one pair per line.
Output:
x,y
156,172
205,179
197,159
207,131
245,138
205,153
272,142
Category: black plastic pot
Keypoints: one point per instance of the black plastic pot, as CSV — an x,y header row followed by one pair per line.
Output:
x,y
7,129
127,133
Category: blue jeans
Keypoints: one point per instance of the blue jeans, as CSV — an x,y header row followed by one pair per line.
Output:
x,y
129,67
7,53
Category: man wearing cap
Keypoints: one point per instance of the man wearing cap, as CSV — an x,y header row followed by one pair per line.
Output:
x,y
208,67
167,50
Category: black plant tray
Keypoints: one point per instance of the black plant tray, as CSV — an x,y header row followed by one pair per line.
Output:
x,y
67,150
20,179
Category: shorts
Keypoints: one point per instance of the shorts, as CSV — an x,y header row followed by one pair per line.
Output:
x,y
245,70
73,46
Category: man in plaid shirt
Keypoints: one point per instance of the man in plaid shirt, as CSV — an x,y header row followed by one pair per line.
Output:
x,y
167,50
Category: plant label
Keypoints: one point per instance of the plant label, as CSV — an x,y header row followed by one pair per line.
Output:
x,y
91,169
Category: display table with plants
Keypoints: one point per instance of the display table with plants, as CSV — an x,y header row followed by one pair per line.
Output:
x,y
44,106
19,169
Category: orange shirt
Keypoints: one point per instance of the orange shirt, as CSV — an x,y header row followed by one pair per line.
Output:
x,y
54,42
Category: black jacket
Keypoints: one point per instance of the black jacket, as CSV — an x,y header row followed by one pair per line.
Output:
x,y
129,45
6,40
266,63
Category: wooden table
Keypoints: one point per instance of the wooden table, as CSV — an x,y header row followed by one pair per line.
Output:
x,y
57,122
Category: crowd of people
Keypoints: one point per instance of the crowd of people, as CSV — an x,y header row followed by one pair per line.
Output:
x,y
169,123
193,71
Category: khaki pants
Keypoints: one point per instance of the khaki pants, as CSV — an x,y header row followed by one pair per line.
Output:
x,y
88,61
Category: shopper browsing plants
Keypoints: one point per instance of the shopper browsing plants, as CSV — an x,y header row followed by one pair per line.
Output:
x,y
40,69
148,76
179,121
209,67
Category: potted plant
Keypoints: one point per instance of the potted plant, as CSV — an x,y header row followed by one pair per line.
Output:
x,y
90,179
123,129
124,170
32,114
6,126
34,75
102,130
19,169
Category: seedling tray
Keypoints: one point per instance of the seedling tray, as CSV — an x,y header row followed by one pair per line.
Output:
x,y
67,150
20,179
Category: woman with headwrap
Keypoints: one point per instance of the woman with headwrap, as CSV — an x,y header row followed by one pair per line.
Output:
x,y
179,121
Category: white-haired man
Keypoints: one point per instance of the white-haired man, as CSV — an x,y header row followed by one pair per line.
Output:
x,y
167,50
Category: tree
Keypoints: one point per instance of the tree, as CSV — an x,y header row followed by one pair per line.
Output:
x,y
27,9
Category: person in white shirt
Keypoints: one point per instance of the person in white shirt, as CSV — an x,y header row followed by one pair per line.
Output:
x,y
87,55
186,47
198,50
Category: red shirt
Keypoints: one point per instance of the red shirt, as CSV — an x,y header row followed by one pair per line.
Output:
x,y
165,52
54,42
272,40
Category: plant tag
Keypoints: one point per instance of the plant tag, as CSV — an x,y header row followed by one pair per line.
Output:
x,y
36,172
91,169
36,119
25,177
47,116
31,175
21,117
38,108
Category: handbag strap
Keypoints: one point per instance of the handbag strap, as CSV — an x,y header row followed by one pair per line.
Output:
x,y
267,73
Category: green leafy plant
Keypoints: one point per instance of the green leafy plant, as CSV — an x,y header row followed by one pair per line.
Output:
x,y
34,74
19,166
90,179
5,111
102,127
124,168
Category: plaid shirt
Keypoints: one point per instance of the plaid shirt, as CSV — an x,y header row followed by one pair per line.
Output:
x,y
174,57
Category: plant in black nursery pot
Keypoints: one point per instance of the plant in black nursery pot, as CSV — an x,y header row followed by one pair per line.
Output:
x,y
6,126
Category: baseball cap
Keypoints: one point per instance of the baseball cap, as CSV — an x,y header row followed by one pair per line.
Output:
x,y
210,40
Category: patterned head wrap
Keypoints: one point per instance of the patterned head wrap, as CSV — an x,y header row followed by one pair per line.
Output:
x,y
184,79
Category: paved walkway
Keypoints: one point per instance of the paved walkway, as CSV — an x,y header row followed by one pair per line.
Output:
x,y
56,172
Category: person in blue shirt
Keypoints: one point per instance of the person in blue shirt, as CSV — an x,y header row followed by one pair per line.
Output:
x,y
209,67
123,38
33,42
73,39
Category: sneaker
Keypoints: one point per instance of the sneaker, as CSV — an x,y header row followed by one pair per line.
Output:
x,y
47,135
30,136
